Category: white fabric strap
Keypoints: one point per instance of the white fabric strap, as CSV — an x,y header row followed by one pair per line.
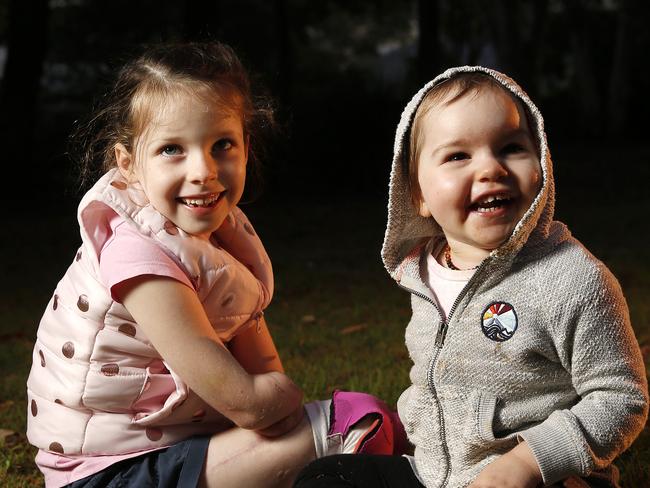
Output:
x,y
327,444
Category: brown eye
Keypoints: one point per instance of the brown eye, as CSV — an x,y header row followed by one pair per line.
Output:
x,y
512,148
223,145
458,156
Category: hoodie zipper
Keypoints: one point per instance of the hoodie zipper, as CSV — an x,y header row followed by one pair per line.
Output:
x,y
440,338
439,342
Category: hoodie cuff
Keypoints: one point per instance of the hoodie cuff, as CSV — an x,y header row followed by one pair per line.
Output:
x,y
554,449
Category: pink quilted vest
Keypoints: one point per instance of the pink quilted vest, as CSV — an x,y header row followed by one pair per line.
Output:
x,y
91,361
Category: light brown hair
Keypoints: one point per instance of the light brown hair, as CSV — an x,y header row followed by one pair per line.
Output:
x,y
446,92
210,70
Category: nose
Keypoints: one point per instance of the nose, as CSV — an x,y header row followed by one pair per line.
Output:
x,y
202,168
490,168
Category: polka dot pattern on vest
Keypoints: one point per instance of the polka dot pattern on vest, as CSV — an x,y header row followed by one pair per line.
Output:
x,y
68,349
110,369
153,434
82,303
127,329
120,185
56,447
170,228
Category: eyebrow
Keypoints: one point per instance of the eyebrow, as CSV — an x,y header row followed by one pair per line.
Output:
x,y
518,132
450,144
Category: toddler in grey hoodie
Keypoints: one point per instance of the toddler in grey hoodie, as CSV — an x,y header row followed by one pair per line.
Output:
x,y
526,370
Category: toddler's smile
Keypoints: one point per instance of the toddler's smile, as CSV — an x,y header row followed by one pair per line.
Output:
x,y
478,171
491,204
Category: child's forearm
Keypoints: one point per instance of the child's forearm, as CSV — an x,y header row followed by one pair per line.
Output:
x,y
173,319
251,401
255,350
526,458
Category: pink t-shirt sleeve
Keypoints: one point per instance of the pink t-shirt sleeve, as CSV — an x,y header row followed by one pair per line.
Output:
x,y
127,254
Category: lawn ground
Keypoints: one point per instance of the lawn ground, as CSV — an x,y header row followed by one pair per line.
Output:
x,y
337,318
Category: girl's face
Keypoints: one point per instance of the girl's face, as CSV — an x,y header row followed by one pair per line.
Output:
x,y
191,163
478,170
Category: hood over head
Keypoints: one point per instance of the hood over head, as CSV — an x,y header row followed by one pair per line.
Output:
x,y
406,229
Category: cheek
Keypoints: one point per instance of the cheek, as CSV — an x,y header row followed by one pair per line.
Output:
x,y
534,183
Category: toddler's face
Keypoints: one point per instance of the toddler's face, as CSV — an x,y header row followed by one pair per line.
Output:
x,y
478,169
191,163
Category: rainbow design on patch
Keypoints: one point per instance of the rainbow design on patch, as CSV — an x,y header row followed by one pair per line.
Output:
x,y
499,321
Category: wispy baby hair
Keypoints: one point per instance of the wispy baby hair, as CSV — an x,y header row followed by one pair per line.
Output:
x,y
144,85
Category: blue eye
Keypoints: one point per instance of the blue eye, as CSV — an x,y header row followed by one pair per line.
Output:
x,y
171,150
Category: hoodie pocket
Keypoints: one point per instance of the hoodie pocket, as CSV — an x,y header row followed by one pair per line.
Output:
x,y
478,429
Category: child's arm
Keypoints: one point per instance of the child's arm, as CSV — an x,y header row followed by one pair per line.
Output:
x,y
515,469
596,344
175,322
255,350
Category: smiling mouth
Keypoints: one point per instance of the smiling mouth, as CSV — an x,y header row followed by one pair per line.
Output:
x,y
204,202
491,204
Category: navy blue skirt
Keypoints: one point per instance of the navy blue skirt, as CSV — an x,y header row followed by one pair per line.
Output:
x,y
178,465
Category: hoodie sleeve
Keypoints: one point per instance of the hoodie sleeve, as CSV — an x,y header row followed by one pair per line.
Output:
x,y
599,348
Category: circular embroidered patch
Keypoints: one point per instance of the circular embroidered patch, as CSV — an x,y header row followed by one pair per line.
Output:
x,y
499,321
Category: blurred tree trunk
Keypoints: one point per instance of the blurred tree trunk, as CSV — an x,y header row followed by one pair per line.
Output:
x,y
618,80
428,45
201,20
26,43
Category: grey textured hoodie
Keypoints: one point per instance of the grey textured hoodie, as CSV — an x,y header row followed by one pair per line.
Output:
x,y
561,368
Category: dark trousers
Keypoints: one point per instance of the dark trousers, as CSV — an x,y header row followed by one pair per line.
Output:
x,y
358,471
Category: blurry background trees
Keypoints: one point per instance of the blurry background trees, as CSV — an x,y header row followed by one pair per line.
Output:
x,y
341,71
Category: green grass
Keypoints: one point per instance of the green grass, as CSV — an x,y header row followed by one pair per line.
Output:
x,y
337,318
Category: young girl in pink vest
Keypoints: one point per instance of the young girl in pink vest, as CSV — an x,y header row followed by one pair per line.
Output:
x,y
153,364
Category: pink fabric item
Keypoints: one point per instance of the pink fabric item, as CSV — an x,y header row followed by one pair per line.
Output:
x,y
125,255
349,407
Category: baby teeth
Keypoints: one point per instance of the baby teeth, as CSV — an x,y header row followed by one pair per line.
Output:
x,y
492,199
200,202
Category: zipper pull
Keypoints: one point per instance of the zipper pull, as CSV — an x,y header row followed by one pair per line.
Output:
x,y
440,335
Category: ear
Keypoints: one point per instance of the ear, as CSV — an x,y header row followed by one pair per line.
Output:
x,y
247,144
124,162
